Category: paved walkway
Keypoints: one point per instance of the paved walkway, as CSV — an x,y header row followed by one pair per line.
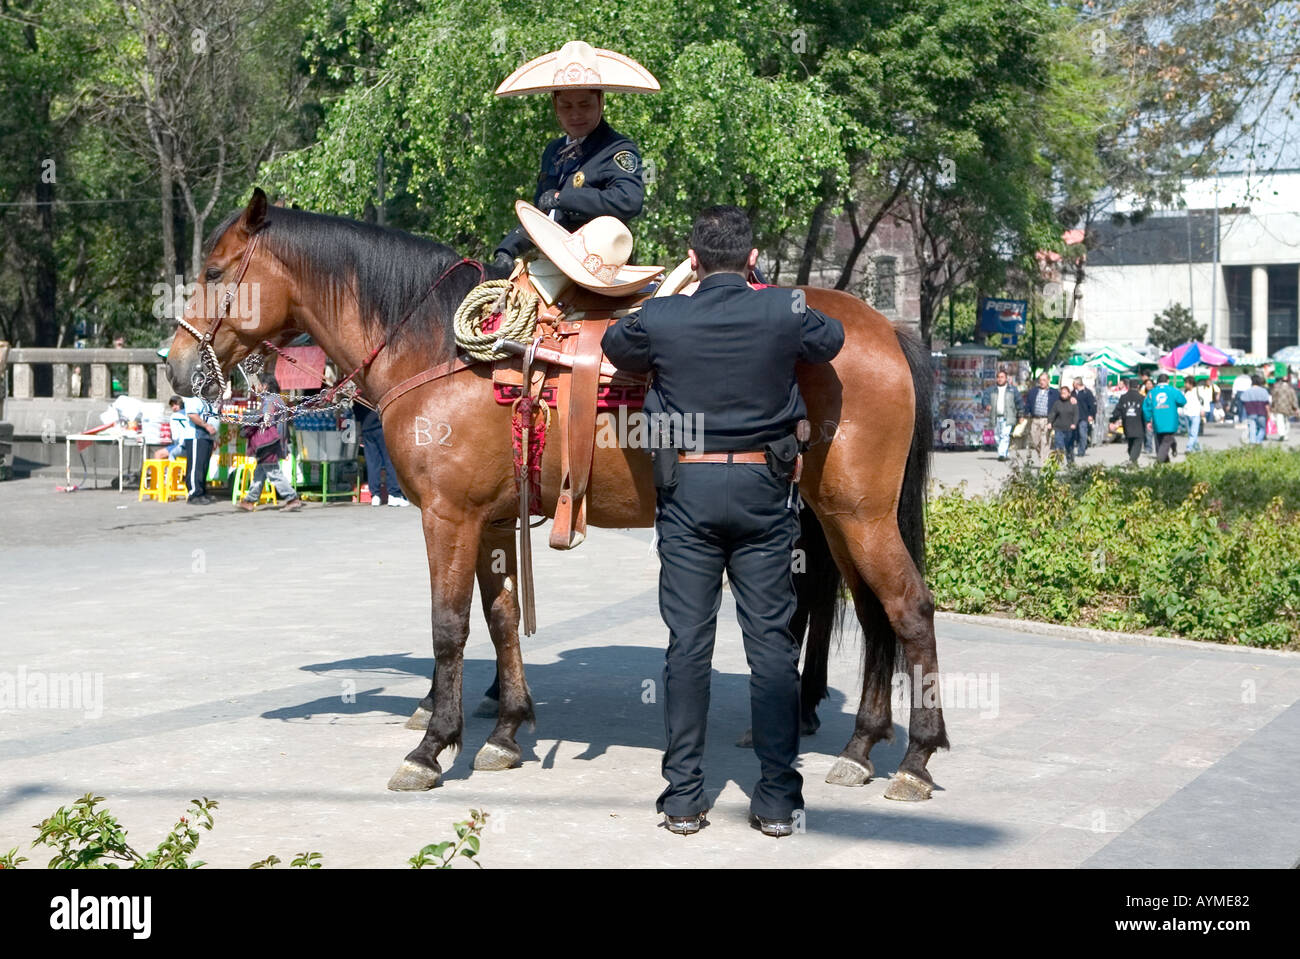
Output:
x,y
982,472
269,661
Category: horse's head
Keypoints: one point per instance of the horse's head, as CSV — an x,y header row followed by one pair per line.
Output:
x,y
239,300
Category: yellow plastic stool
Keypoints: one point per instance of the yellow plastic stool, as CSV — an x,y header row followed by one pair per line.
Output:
x,y
241,477
153,481
174,475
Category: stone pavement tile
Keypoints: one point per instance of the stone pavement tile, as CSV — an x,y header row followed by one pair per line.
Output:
x,y
1202,749
1243,811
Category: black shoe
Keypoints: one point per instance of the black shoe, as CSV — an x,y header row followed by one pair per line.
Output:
x,y
684,825
772,827
198,500
1002,459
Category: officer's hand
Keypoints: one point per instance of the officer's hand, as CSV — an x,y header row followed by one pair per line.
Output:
x,y
503,261
549,201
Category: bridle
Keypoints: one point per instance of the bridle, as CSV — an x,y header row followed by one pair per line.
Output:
x,y
209,366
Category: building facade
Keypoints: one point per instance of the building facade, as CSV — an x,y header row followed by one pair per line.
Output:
x,y
1242,284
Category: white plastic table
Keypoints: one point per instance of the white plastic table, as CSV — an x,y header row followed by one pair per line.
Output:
x,y
122,438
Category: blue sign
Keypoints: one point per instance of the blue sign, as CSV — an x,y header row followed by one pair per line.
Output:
x,y
1005,318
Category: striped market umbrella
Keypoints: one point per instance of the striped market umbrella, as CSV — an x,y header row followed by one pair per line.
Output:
x,y
1111,360
1189,354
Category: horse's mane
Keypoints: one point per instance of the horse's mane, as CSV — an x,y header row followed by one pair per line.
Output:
x,y
387,271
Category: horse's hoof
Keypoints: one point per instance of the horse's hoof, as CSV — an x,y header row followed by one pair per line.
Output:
x,y
746,741
850,772
492,757
419,719
809,727
412,777
908,787
487,709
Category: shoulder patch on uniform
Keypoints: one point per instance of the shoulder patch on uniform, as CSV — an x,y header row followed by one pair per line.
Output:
x,y
626,160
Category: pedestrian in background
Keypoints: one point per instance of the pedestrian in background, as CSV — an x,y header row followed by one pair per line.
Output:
x,y
1148,440
1038,404
1255,404
1064,421
1087,401
1195,410
378,463
1161,408
1130,414
1284,406
1002,403
204,421
266,444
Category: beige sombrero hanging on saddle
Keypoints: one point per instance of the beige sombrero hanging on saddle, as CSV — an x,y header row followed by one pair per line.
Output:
x,y
594,256
579,66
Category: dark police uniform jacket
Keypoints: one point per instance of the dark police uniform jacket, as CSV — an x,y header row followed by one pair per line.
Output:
x,y
727,354
611,183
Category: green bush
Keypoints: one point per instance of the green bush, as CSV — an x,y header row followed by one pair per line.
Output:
x,y
84,837
1208,549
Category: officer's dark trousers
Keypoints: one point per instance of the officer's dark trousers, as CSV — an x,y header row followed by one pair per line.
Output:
x,y
732,517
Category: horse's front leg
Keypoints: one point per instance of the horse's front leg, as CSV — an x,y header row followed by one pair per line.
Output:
x,y
498,586
451,541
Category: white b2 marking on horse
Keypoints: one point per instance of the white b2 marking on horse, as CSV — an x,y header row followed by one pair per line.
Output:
x,y
422,430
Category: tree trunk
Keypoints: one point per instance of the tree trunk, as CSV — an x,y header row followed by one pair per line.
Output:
x,y
1069,317
814,236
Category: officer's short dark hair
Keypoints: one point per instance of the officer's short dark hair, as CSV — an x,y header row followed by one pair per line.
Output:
x,y
1162,378
722,239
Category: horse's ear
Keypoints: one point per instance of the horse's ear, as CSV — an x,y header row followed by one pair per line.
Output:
x,y
255,213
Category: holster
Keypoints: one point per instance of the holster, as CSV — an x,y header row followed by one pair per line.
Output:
x,y
664,460
783,457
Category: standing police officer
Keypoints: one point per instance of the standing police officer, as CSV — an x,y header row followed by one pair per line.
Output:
x,y
725,358
592,170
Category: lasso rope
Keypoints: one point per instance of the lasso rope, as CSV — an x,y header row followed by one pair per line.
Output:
x,y
518,318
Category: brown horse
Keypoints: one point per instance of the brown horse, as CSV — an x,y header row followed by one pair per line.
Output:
x,y
351,286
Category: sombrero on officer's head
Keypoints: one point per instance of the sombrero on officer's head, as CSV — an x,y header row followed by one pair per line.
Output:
x,y
579,66
594,256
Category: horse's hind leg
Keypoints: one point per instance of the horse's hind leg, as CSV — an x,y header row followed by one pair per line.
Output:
x,y
894,605
497,582
451,544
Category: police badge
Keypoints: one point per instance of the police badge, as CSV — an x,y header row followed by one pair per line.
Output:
x,y
626,160
579,178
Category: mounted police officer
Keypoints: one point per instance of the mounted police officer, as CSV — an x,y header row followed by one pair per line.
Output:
x,y
592,170
724,360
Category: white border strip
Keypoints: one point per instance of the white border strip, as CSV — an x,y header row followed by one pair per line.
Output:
x,y
1106,637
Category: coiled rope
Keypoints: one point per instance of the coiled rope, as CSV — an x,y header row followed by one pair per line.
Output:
x,y
518,318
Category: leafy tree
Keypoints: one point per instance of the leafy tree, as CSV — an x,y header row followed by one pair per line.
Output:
x,y
1174,327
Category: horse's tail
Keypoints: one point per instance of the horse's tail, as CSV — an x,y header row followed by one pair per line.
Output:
x,y
822,599
911,501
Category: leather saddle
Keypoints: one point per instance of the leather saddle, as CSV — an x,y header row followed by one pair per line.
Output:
x,y
572,374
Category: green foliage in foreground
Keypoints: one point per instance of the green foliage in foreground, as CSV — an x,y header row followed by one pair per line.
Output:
x,y
1208,549
84,837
